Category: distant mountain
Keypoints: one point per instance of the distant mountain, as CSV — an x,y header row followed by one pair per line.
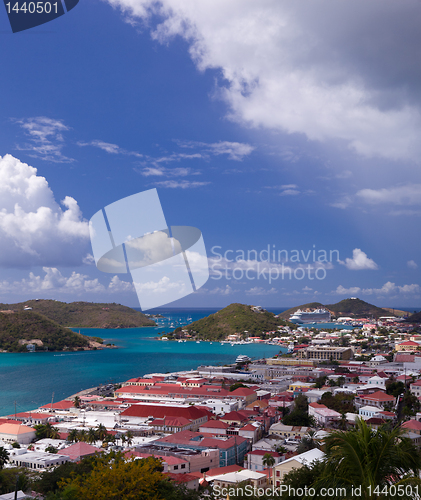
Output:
x,y
347,307
85,314
236,318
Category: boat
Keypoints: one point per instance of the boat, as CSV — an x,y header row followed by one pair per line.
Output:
x,y
242,358
317,316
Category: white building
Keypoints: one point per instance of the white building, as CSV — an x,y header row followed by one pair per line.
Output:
x,y
38,460
16,433
367,412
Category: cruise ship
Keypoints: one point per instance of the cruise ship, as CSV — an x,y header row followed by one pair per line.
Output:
x,y
316,316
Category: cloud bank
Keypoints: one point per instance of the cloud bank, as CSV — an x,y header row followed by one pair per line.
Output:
x,y
335,71
34,228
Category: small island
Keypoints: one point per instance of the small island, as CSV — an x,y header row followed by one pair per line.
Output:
x,y
45,325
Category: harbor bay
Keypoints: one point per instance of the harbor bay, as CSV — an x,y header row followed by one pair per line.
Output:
x,y
30,379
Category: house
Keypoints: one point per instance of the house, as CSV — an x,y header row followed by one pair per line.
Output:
x,y
80,450
288,430
214,427
38,460
140,413
416,388
232,449
378,399
254,459
408,345
307,458
367,412
322,414
223,482
413,426
189,481
16,433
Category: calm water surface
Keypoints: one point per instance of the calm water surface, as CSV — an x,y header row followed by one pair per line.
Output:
x,y
30,379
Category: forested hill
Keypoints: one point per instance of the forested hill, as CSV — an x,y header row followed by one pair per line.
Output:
x,y
17,329
85,314
236,318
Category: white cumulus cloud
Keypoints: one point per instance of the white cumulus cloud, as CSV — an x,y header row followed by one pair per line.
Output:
x,y
305,67
34,228
359,261
412,264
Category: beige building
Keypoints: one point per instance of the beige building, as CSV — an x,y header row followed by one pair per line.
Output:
x,y
280,470
11,433
326,353
287,431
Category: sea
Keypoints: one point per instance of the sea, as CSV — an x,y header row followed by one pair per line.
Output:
x,y
29,380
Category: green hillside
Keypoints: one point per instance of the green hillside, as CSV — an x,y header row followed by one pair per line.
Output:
x,y
347,307
236,318
29,325
85,314
356,308
414,318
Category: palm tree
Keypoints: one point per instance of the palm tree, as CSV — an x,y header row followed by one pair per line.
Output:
x,y
76,402
101,432
51,432
308,442
73,436
269,462
92,436
372,459
82,435
4,456
129,437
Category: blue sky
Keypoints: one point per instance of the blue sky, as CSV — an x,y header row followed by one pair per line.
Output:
x,y
261,123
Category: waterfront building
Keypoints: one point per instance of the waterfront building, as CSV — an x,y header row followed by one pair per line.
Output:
x,y
326,353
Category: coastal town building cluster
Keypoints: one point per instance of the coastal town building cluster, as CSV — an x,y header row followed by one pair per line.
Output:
x,y
219,426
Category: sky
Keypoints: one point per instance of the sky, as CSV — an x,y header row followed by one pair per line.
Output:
x,y
289,128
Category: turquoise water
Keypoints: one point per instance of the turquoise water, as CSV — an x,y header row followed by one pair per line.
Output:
x,y
30,379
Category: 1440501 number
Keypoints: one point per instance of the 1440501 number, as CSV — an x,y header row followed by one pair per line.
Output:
x,y
32,8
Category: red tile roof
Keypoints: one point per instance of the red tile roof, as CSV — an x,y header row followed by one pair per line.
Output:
x,y
145,411
60,405
78,450
412,424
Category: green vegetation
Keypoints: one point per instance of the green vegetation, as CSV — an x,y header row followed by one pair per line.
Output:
x,y
234,319
341,402
372,459
299,415
43,431
414,318
29,325
84,314
111,477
